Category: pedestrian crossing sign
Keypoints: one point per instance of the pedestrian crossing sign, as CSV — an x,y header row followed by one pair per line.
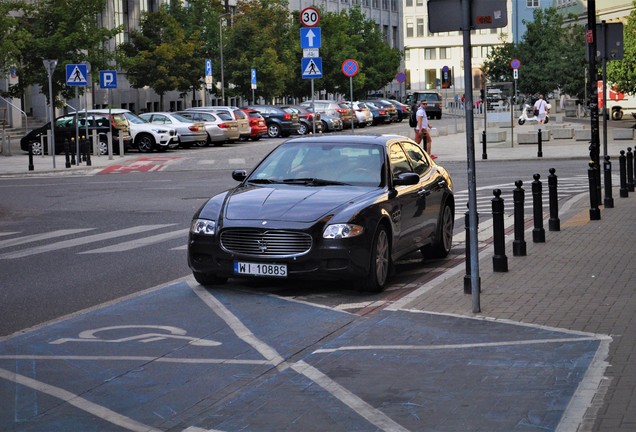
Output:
x,y
311,67
76,75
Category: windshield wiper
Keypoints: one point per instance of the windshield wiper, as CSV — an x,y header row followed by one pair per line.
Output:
x,y
263,181
313,181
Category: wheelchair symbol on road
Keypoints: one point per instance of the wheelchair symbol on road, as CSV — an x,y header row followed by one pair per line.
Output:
x,y
160,333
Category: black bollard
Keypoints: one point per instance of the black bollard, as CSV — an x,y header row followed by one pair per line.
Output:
x,y
538,233
499,260
467,277
31,167
73,162
89,150
518,198
66,154
592,172
484,154
554,224
630,170
540,143
608,202
622,169
83,146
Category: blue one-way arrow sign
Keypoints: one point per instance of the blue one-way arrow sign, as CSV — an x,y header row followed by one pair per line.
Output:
x,y
310,37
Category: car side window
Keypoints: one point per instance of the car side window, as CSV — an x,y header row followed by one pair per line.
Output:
x,y
239,114
416,157
398,160
161,119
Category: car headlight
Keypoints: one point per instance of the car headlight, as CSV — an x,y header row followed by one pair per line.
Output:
x,y
203,226
338,231
160,131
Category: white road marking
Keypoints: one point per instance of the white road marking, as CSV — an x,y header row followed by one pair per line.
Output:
x,y
220,361
237,161
452,346
82,241
137,243
78,402
38,237
237,326
359,406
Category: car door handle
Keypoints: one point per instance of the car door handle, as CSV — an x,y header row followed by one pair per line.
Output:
x,y
423,192
441,183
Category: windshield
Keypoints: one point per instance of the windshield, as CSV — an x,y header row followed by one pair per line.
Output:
x,y
319,164
134,118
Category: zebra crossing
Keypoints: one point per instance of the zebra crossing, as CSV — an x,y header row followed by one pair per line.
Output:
x,y
62,239
566,188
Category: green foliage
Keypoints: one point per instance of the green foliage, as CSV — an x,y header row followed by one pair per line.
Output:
x,y
552,56
13,38
622,73
260,38
161,55
64,30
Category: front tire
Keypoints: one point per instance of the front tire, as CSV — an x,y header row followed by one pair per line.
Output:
x,y
521,121
617,114
380,263
145,143
209,278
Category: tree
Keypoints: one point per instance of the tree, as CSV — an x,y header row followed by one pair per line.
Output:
x,y
261,38
552,55
160,56
13,37
64,30
622,73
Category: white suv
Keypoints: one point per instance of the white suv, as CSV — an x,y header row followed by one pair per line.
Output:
x,y
146,136
241,118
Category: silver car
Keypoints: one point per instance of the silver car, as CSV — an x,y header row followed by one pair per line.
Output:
x,y
190,132
236,113
363,113
219,130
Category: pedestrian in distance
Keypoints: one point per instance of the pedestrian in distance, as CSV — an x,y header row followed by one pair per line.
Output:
x,y
540,109
422,129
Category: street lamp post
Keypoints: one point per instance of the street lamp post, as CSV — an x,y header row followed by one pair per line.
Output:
x,y
221,50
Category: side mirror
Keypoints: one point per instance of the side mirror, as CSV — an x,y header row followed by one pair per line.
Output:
x,y
239,175
406,179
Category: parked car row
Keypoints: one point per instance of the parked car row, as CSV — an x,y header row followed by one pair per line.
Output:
x,y
211,125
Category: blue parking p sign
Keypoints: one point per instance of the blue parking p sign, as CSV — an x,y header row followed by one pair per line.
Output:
x,y
108,79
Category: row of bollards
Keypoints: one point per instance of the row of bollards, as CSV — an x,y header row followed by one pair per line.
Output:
x,y
84,154
627,168
500,260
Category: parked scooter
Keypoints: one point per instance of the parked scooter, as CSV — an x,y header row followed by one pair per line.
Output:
x,y
527,109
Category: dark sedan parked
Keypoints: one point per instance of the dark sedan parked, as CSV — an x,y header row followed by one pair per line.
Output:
x,y
282,121
326,207
68,125
380,114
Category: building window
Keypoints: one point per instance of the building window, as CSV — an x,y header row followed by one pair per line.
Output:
x,y
376,4
409,27
485,51
429,54
394,36
394,5
532,3
385,4
419,2
444,53
409,3
420,27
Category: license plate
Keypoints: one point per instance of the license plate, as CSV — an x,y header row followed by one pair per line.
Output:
x,y
259,269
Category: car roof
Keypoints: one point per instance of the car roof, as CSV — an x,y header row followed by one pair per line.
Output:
x,y
375,139
107,110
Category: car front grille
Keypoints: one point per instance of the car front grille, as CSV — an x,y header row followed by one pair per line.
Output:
x,y
271,243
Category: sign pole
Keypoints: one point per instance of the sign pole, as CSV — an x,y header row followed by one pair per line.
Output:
x,y
313,107
352,110
77,146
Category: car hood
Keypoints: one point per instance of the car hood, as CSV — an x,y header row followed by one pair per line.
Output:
x,y
287,203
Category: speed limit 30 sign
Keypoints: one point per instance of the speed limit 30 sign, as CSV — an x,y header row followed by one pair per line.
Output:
x,y
310,17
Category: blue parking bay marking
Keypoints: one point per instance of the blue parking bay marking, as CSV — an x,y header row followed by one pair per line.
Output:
x,y
296,365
